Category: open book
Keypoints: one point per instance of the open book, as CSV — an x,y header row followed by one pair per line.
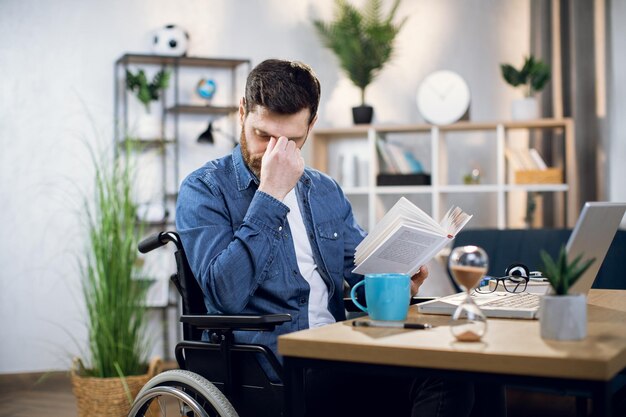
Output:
x,y
405,239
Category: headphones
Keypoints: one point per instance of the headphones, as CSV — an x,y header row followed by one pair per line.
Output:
x,y
521,270
517,270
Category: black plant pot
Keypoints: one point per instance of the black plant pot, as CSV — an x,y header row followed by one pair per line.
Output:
x,y
362,114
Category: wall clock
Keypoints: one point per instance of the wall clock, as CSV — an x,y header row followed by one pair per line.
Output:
x,y
443,97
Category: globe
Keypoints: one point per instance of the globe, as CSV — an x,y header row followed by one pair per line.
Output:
x,y
206,88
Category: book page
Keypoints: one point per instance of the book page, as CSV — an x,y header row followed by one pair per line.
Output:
x,y
454,220
404,251
374,239
409,210
405,239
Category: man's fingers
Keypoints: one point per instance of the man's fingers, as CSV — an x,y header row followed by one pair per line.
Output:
x,y
291,146
421,275
418,279
270,146
281,143
423,270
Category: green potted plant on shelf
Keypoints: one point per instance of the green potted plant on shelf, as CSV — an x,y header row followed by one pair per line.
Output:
x,y
363,42
531,78
115,366
148,124
145,91
563,316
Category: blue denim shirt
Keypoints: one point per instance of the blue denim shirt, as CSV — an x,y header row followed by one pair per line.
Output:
x,y
241,251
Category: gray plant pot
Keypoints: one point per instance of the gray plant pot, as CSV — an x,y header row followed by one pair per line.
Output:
x,y
563,317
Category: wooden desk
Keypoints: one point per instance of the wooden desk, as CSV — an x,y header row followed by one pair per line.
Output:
x,y
512,352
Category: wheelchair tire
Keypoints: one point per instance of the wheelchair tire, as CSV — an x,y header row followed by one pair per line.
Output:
x,y
193,394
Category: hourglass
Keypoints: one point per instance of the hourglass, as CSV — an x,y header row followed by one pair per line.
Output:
x,y
468,264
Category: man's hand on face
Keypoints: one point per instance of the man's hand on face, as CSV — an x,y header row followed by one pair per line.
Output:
x,y
281,167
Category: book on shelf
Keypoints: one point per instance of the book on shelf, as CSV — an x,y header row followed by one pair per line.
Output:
x,y
385,157
406,238
537,159
414,163
350,171
396,159
525,159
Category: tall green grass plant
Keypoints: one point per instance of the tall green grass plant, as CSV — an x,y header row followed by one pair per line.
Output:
x,y
114,297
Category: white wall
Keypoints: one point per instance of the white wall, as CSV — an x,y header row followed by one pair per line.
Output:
x,y
56,93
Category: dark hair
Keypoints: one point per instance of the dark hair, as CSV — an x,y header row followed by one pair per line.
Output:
x,y
284,87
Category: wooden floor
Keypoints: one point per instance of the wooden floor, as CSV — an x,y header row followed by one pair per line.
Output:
x,y
31,395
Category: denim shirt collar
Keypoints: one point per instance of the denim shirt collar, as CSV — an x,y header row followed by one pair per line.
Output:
x,y
245,176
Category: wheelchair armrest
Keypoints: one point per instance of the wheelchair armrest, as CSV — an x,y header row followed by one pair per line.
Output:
x,y
239,322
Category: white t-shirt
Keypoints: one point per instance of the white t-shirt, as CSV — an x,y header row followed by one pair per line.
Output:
x,y
318,297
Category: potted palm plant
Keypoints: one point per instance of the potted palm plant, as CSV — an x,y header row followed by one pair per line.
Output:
x,y
115,366
363,42
563,316
532,78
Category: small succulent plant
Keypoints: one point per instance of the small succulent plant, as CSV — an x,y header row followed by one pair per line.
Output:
x,y
563,274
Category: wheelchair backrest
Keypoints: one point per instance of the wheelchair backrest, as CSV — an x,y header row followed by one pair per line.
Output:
x,y
239,370
190,293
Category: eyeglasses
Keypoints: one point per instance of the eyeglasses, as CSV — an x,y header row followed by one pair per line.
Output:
x,y
511,283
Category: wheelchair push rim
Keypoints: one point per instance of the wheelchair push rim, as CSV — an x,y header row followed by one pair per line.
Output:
x,y
181,393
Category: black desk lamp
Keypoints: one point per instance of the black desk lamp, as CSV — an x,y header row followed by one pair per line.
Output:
x,y
207,135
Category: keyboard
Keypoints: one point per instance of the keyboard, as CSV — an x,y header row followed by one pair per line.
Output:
x,y
523,300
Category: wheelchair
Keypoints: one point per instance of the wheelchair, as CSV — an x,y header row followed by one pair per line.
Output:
x,y
216,377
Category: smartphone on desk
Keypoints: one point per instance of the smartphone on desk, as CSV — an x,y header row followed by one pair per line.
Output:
x,y
418,299
537,276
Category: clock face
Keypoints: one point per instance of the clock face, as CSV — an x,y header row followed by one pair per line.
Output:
x,y
443,97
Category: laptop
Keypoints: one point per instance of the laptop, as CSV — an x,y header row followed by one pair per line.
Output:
x,y
592,235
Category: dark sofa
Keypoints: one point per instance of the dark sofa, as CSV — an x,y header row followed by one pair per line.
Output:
x,y
505,247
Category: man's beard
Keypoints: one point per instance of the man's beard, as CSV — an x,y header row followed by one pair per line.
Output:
x,y
253,161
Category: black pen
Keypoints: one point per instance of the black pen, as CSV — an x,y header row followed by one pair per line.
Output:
x,y
392,324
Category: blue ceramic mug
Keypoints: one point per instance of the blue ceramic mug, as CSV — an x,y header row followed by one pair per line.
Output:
x,y
387,295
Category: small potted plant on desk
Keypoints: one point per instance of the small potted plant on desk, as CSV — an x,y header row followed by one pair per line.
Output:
x,y
363,42
563,316
532,77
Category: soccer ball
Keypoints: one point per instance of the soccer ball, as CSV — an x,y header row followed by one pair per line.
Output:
x,y
170,40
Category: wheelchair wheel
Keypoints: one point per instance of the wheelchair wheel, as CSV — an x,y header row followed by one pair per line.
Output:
x,y
181,393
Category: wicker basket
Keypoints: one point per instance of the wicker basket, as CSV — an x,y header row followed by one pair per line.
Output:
x,y
107,397
536,176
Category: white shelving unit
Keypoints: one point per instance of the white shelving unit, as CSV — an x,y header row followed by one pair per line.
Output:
x,y
323,156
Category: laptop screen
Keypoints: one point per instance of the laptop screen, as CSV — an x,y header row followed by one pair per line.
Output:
x,y
592,237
